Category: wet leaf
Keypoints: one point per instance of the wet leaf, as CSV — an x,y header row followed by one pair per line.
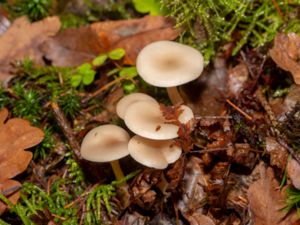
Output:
x,y
266,200
293,171
23,39
286,53
278,153
73,47
15,136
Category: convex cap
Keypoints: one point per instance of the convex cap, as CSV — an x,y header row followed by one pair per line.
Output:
x,y
169,64
126,101
153,153
146,119
105,143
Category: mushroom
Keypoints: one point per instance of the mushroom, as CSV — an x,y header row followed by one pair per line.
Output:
x,y
153,153
106,143
169,64
128,100
146,119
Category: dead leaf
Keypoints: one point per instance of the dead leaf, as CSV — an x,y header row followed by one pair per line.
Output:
x,y
266,200
10,189
293,171
193,186
4,23
15,136
73,47
286,53
237,76
200,219
22,39
278,154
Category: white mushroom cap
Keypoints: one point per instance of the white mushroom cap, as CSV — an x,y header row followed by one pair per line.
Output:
x,y
168,64
105,143
128,100
186,115
153,153
146,119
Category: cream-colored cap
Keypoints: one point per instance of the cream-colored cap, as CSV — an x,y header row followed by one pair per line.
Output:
x,y
169,64
105,143
153,153
126,101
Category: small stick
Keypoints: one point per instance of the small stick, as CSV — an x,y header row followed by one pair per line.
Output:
x,y
239,110
99,91
266,106
277,8
212,117
68,132
290,150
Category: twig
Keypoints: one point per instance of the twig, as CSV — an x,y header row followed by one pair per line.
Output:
x,y
239,110
277,8
68,132
99,91
290,150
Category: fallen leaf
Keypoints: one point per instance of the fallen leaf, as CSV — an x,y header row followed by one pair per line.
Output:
x,y
266,200
22,39
15,136
293,171
286,53
4,24
237,76
73,47
193,195
278,154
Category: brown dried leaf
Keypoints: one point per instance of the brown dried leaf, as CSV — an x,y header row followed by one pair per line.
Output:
x,y
193,195
237,76
9,188
23,39
15,136
266,200
278,154
293,171
87,42
286,53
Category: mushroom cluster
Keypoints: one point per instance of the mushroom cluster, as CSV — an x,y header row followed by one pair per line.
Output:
x,y
162,64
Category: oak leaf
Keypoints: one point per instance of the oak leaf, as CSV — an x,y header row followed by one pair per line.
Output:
x,y
15,136
73,47
266,200
286,53
22,39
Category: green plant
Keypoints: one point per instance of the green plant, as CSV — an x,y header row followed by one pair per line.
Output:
x,y
34,9
209,24
84,75
153,7
28,105
292,200
70,103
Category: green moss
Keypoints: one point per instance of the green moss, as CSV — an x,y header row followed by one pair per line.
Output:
x,y
210,24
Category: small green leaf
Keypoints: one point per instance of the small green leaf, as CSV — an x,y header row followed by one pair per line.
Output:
x,y
153,7
128,72
76,80
82,69
99,60
128,87
88,77
116,54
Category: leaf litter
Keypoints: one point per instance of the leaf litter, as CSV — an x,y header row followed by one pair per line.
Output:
x,y
233,156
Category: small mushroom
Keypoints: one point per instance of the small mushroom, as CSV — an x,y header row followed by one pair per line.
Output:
x,y
146,119
169,64
128,100
153,153
106,143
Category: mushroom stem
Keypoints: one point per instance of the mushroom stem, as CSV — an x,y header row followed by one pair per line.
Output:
x,y
174,95
115,165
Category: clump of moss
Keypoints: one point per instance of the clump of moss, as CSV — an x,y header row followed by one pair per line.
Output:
x,y
209,24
